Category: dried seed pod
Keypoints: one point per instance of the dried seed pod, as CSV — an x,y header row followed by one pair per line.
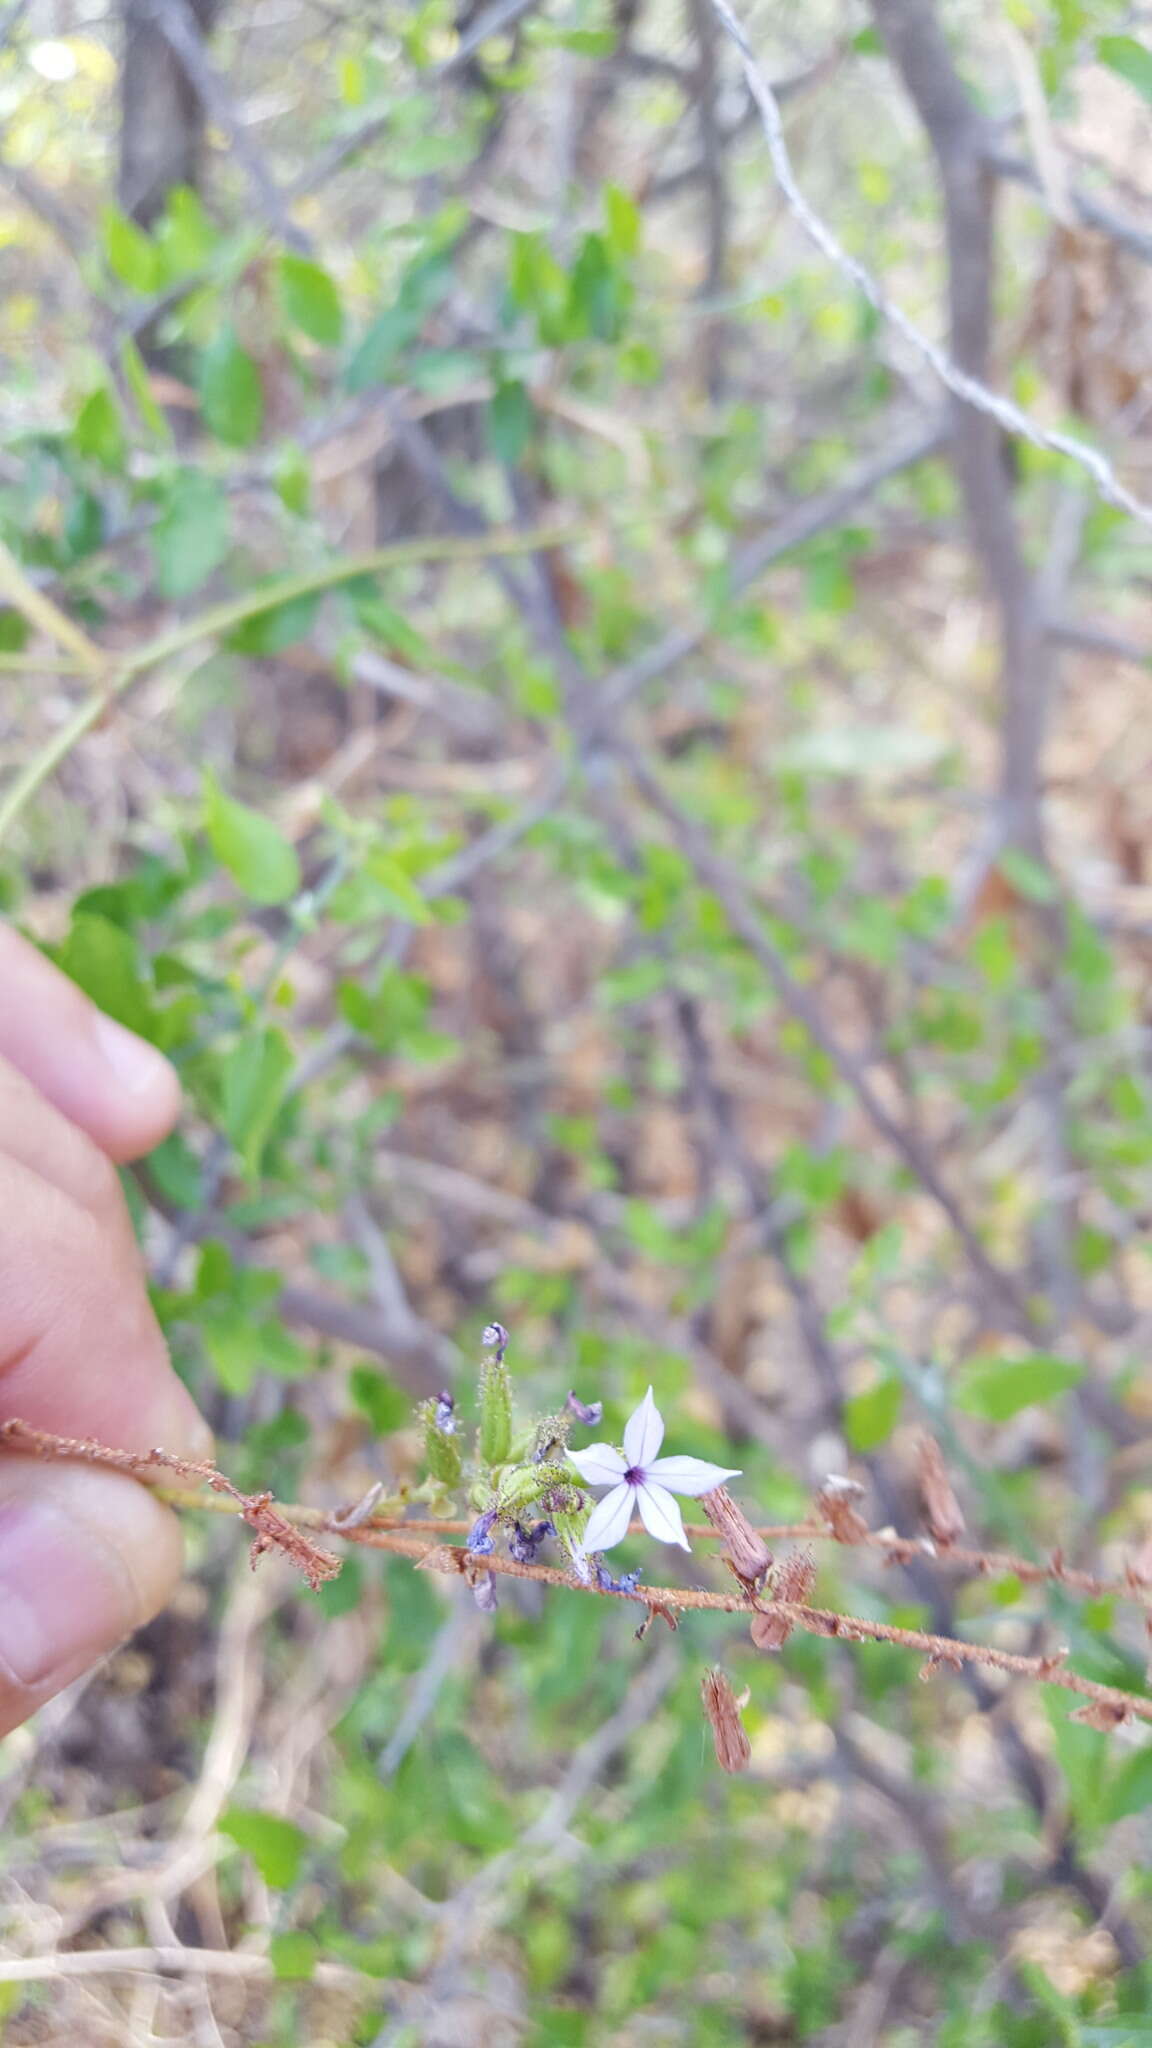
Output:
x,y
792,1583
733,1749
1102,1714
746,1552
834,1504
942,1511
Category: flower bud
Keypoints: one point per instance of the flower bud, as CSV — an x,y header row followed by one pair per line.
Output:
x,y
480,1534
484,1592
526,1484
495,1400
590,1413
747,1553
441,1447
524,1543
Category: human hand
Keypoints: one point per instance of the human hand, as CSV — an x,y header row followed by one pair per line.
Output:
x,y
86,1555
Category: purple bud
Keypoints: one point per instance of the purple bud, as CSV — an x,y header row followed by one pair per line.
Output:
x,y
495,1338
480,1535
524,1543
445,1413
484,1593
626,1583
590,1413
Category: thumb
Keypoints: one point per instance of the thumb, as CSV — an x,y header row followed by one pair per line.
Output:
x,y
86,1556
114,1085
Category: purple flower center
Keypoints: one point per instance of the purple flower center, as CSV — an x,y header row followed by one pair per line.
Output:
x,y
634,1476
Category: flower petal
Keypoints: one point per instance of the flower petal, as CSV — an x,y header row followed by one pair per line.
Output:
x,y
690,1476
643,1434
608,1522
660,1515
599,1465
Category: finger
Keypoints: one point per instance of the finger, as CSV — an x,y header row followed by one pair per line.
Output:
x,y
85,1557
115,1086
81,1352
37,1136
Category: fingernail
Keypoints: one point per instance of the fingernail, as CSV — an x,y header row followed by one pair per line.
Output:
x,y
138,1066
65,1596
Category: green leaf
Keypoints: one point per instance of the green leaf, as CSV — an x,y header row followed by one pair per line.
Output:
x,y
397,890
511,417
1030,877
254,1079
129,253
191,537
387,1407
622,219
311,301
282,625
99,430
293,1954
231,395
1128,59
276,1846
102,959
870,1418
997,1388
137,379
1131,1788
254,850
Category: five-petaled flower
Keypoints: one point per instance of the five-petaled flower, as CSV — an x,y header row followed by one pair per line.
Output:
x,y
641,1481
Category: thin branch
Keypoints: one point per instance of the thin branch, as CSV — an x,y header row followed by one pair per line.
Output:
x,y
716,876
122,672
503,14
1092,212
1108,1705
181,31
950,374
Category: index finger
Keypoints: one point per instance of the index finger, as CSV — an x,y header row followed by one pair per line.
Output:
x,y
103,1077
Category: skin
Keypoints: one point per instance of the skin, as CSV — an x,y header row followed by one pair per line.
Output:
x,y
86,1556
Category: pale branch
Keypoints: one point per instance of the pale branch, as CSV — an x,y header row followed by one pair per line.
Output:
x,y
970,389
955,129
282,1529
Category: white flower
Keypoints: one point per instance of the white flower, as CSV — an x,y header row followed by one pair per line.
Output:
x,y
640,1480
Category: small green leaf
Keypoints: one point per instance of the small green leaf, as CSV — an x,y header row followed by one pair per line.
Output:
x,y
99,430
293,1954
254,850
138,382
254,1079
282,625
386,1406
129,253
997,1388
102,959
622,218
276,1846
1028,876
311,301
870,1418
1128,59
192,534
511,417
231,395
